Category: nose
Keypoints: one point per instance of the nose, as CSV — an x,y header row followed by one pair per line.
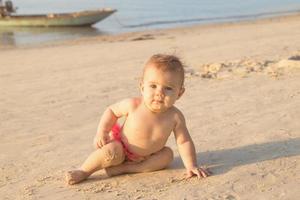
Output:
x,y
159,92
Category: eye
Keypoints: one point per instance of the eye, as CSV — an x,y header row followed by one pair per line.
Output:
x,y
153,86
169,88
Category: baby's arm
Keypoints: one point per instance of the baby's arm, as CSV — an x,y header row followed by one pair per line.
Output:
x,y
108,119
186,148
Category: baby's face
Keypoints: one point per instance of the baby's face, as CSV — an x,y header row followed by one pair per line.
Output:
x,y
160,89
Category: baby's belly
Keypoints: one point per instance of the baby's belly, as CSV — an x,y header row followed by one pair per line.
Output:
x,y
143,148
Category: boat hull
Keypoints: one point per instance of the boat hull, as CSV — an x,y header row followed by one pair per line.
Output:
x,y
84,18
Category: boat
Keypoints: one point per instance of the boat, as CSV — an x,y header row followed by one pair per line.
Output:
x,y
83,18
8,18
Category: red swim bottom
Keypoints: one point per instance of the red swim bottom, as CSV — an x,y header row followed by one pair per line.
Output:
x,y
116,133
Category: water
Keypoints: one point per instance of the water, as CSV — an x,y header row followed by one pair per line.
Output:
x,y
136,15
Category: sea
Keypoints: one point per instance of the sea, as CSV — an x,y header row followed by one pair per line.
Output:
x,y
140,15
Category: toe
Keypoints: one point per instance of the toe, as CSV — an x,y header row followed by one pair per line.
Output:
x,y
68,177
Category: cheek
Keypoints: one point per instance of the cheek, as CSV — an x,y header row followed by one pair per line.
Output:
x,y
171,94
170,97
147,93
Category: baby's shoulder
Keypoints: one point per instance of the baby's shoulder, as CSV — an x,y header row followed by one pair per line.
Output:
x,y
132,103
177,114
125,106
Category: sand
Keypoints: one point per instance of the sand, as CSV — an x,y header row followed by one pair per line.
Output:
x,y
242,106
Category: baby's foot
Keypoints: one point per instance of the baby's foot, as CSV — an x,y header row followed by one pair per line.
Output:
x,y
75,176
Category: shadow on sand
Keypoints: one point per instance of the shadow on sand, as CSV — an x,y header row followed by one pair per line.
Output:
x,y
222,161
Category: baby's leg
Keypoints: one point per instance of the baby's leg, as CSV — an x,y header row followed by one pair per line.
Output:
x,y
157,161
109,155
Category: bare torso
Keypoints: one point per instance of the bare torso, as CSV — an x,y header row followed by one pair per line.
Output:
x,y
146,132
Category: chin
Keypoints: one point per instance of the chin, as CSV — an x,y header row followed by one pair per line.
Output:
x,y
158,110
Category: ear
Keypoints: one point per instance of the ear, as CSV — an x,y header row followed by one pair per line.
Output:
x,y
141,86
182,90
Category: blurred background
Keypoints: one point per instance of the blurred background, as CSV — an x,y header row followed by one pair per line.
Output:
x,y
138,15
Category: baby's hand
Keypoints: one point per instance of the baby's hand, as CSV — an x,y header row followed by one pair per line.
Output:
x,y
198,171
100,140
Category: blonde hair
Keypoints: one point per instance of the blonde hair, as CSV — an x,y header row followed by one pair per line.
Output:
x,y
165,62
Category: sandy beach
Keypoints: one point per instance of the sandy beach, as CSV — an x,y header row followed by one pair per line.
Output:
x,y
242,106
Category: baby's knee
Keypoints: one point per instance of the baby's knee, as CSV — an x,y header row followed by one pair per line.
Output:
x,y
113,154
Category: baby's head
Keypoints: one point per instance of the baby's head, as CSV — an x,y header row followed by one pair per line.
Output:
x,y
162,82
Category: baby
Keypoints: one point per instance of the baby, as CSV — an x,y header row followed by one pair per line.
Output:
x,y
139,144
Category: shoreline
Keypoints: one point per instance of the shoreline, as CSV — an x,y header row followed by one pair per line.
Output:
x,y
146,34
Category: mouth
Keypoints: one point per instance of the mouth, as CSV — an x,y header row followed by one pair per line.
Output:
x,y
158,101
